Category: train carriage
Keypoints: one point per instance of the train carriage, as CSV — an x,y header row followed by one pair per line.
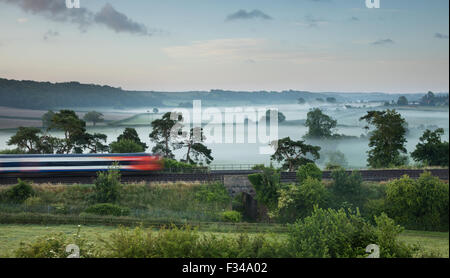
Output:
x,y
76,164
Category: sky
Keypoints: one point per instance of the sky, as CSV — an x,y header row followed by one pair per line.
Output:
x,y
247,45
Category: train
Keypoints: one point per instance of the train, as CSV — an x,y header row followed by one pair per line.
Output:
x,y
52,165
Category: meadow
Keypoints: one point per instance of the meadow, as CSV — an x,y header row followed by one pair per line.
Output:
x,y
12,235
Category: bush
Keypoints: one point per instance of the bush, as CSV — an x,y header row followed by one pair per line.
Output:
x,y
108,209
298,201
231,216
107,186
213,193
186,242
171,165
308,170
347,187
20,192
126,146
54,246
266,185
421,204
337,234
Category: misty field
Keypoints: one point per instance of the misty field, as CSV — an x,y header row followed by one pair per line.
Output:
x,y
347,116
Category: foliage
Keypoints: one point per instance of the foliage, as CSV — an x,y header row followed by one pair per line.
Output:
x,y
47,119
107,186
298,201
174,166
319,124
73,128
402,101
231,216
125,146
196,151
26,139
347,187
388,140
54,246
281,116
20,192
308,170
212,193
162,134
335,160
293,153
108,209
13,151
266,185
419,204
94,117
131,134
431,149
340,234
92,142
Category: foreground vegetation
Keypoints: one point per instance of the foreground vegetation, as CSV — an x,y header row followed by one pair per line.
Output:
x,y
299,241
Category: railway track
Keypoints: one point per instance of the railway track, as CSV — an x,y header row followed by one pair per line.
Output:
x,y
367,175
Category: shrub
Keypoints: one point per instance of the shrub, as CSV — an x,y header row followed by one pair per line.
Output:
x,y
108,209
171,165
347,187
20,192
212,193
337,234
419,204
33,201
107,186
266,185
54,246
308,170
186,242
231,216
126,146
298,201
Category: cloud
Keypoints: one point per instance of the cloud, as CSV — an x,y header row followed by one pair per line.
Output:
x,y
311,21
119,22
249,50
383,42
22,20
441,36
56,10
242,14
49,34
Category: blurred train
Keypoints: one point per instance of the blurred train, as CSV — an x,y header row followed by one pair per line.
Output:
x,y
77,164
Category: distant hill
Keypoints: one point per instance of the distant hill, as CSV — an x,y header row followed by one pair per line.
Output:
x,y
46,95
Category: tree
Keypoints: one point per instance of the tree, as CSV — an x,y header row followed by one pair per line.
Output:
x,y
155,110
93,142
281,117
431,149
402,101
331,99
49,145
266,184
196,151
301,101
47,119
388,140
125,146
293,153
94,117
162,134
319,124
72,126
131,134
428,99
26,138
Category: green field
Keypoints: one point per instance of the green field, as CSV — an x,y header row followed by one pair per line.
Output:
x,y
12,235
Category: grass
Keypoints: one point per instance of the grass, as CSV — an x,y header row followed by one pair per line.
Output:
x,y
11,236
